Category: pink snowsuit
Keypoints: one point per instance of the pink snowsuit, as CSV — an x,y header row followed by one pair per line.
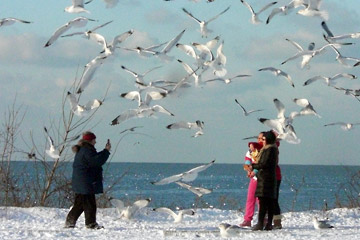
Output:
x,y
251,199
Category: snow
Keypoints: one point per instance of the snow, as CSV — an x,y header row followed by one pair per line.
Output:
x,y
47,223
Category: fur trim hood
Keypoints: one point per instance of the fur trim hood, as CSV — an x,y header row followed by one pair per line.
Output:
x,y
82,143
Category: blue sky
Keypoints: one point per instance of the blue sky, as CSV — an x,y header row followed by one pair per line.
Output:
x,y
39,77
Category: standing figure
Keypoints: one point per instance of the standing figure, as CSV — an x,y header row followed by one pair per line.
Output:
x,y
250,158
87,180
266,180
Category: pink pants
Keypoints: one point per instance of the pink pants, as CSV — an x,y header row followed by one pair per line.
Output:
x,y
251,200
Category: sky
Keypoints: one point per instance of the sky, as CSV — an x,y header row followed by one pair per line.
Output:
x,y
38,78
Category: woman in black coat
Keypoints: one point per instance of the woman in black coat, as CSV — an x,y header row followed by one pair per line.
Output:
x,y
266,177
87,180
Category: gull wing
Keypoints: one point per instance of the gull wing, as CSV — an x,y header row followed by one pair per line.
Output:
x,y
124,116
167,180
172,42
215,17
191,16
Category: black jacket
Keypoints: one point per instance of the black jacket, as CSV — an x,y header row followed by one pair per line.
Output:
x,y
87,169
266,177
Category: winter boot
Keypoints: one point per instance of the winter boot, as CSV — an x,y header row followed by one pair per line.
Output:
x,y
277,222
245,224
258,226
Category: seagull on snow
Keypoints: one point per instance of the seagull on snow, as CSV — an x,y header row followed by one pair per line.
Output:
x,y
321,224
129,211
176,216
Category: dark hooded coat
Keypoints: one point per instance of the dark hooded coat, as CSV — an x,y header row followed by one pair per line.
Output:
x,y
266,177
87,175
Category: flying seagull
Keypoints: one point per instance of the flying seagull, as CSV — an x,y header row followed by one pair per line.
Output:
x,y
203,24
187,176
199,191
255,15
10,21
247,113
197,125
278,72
52,152
344,126
82,110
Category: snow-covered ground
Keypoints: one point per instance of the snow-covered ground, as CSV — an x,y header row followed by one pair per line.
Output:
x,y
47,223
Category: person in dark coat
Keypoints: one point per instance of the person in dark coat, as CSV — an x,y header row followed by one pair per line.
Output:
x,y
87,180
266,177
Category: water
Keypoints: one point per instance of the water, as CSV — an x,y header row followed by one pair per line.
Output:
x,y
302,188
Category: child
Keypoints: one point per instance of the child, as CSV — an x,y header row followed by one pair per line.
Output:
x,y
250,158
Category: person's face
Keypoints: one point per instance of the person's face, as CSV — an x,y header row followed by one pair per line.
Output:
x,y
93,142
260,138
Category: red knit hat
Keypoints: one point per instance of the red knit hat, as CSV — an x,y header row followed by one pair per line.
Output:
x,y
89,136
256,145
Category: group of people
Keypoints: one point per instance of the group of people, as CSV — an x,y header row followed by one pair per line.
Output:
x,y
262,167
261,164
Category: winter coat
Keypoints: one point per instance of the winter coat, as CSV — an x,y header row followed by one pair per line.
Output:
x,y
266,176
87,169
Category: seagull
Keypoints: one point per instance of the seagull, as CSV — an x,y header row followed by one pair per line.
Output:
x,y
352,92
129,211
10,21
227,80
76,22
321,224
344,126
307,56
77,7
82,110
190,70
342,59
177,216
203,24
255,15
329,80
52,152
198,125
87,33
278,72
143,110
247,113
218,64
199,191
145,51
286,9
312,10
139,77
286,133
89,72
307,108
187,176
163,53
228,230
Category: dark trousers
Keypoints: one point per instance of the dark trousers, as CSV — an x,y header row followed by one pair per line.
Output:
x,y
277,210
266,207
83,203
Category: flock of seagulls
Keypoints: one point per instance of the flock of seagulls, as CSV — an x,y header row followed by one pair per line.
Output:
x,y
209,57
129,211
